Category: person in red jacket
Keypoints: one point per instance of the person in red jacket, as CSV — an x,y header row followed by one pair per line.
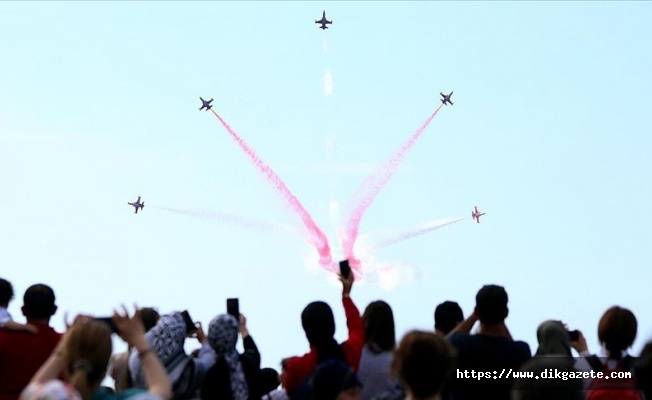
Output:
x,y
319,325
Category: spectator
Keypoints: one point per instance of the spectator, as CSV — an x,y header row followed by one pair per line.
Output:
x,y
234,376
6,322
319,325
643,373
83,354
167,339
546,389
376,359
335,380
616,332
22,353
447,316
269,380
119,363
554,340
423,363
491,349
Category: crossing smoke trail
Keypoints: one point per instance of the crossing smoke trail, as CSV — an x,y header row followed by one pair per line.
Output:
x,y
315,234
376,240
232,219
370,189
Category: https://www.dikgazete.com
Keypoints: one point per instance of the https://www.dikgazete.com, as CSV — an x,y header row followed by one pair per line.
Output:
x,y
550,373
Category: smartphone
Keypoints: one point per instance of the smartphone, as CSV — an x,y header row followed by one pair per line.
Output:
x,y
233,308
109,322
190,324
574,336
345,268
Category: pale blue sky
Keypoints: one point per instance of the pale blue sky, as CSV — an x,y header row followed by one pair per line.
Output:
x,y
549,135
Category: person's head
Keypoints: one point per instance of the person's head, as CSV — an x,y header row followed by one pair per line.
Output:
x,y
6,292
491,305
168,337
335,380
546,389
223,334
422,362
447,316
318,322
617,330
88,350
150,317
319,325
379,326
269,380
643,373
39,303
553,339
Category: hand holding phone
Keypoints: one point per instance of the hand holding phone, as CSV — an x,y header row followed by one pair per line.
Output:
x,y
345,269
233,308
574,335
109,322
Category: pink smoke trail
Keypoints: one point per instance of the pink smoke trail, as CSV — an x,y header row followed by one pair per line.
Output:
x,y
386,240
316,236
377,181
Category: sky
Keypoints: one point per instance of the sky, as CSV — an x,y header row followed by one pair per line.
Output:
x,y
548,134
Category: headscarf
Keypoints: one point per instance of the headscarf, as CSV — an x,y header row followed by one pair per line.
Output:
x,y
553,339
166,339
319,325
223,336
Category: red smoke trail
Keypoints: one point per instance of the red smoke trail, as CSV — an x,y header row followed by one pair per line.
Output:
x,y
377,181
316,236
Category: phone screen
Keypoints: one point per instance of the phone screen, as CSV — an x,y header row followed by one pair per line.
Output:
x,y
233,308
345,268
190,324
109,322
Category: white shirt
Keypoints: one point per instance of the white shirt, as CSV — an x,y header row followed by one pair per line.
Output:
x,y
4,317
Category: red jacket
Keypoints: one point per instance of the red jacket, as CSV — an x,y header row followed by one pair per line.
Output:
x,y
300,368
21,355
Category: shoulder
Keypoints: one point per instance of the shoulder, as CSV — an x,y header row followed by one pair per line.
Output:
x,y
459,338
522,348
54,389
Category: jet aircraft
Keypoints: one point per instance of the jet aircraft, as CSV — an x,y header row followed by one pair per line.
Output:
x,y
476,214
205,104
323,21
446,98
137,204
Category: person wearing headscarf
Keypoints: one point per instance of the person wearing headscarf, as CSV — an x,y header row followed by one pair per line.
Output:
x,y
234,376
319,326
167,339
553,340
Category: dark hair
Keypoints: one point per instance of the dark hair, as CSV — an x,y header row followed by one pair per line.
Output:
x,y
269,380
491,304
6,291
379,326
39,302
447,316
423,362
319,325
150,317
617,330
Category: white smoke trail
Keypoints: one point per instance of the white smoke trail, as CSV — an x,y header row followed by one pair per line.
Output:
x,y
325,45
328,83
379,239
233,219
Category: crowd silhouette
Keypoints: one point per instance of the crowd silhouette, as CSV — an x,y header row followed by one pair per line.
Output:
x,y
454,361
